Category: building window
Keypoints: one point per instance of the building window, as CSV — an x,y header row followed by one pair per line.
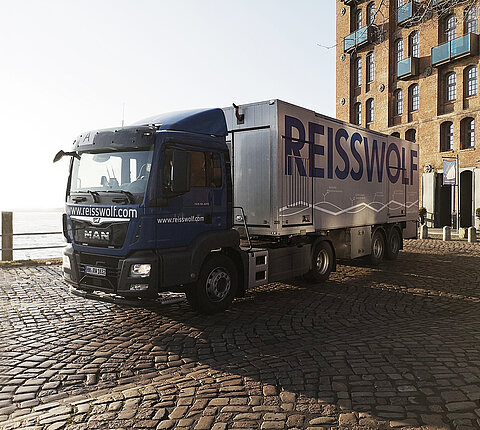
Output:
x,y
411,135
413,93
446,136
471,20
370,110
451,87
414,44
399,4
398,95
357,112
395,134
450,28
370,67
358,19
398,50
468,133
370,13
471,81
358,71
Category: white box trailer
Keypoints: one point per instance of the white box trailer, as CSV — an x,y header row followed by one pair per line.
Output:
x,y
298,172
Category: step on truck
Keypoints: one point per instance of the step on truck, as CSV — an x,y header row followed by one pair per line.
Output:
x,y
214,202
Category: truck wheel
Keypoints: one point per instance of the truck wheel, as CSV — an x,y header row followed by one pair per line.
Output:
x,y
378,247
322,262
216,286
394,243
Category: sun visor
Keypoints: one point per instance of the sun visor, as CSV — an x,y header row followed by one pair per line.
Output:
x,y
132,137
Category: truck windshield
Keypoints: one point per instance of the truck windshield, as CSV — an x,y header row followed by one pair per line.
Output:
x,y
126,172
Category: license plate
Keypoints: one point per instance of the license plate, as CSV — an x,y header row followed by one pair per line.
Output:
x,y
95,271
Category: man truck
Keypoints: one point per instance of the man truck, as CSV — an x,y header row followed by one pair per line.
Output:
x,y
214,202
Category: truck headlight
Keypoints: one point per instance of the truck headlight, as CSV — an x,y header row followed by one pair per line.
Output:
x,y
140,270
66,262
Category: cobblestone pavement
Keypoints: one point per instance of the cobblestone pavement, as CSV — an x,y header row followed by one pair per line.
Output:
x,y
394,346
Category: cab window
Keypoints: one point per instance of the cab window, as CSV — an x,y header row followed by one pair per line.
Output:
x,y
206,169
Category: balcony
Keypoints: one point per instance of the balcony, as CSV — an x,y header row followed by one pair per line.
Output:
x,y
357,38
407,68
406,13
457,48
464,46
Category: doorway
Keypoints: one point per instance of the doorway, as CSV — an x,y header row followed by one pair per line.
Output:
x,y
443,203
466,208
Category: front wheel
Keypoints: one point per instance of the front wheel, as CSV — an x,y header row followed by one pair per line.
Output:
x,y
378,247
322,262
216,285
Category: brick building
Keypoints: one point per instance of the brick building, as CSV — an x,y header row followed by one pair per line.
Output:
x,y
410,68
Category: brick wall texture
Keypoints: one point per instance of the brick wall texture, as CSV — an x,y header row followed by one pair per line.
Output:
x,y
430,119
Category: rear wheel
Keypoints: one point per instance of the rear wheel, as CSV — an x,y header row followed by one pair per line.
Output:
x,y
378,247
216,286
394,243
322,262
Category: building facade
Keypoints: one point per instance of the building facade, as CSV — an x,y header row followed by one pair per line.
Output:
x,y
410,68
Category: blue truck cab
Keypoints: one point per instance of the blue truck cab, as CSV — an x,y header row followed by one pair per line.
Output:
x,y
149,209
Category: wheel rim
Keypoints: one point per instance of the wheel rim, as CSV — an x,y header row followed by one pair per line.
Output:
x,y
323,262
378,247
218,284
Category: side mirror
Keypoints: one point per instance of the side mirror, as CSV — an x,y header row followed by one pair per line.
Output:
x,y
60,154
180,172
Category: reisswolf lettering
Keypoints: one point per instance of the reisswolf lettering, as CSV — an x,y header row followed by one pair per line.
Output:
x,y
367,157
103,212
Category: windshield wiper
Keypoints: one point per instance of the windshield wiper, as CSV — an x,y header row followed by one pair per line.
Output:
x,y
130,197
94,195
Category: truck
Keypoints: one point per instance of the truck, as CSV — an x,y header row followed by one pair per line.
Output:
x,y
214,202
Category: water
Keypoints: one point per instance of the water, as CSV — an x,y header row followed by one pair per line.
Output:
x,y
37,222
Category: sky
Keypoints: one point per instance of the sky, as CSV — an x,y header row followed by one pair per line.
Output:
x,y
68,66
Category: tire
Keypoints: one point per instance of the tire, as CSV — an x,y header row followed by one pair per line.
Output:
x,y
378,247
322,262
394,243
216,286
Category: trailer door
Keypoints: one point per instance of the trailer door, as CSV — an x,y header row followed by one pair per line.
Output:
x,y
251,174
298,193
397,195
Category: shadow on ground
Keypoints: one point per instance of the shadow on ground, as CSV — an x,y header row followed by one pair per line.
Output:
x,y
400,342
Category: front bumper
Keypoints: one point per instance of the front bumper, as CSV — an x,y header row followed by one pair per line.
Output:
x,y
113,273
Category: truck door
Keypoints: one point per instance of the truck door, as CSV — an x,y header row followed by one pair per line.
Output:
x,y
207,190
201,208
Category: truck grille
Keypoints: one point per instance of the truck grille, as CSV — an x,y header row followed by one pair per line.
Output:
x,y
106,283
110,235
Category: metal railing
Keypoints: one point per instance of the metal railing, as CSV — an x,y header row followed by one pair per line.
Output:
x,y
8,234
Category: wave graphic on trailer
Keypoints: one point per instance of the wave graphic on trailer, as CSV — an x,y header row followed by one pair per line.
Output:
x,y
351,210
